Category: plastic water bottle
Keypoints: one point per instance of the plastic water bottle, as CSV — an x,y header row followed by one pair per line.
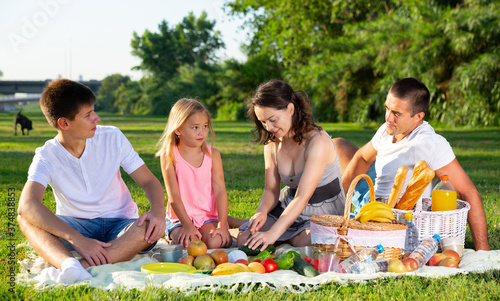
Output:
x,y
370,267
425,250
411,240
367,254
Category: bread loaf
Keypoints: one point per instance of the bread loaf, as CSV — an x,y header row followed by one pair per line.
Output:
x,y
399,181
417,169
415,190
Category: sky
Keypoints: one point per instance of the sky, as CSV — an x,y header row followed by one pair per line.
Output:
x,y
90,39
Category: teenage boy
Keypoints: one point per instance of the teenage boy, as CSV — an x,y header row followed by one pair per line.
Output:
x,y
404,139
95,215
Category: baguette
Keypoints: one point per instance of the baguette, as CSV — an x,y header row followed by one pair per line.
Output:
x,y
417,169
414,191
399,181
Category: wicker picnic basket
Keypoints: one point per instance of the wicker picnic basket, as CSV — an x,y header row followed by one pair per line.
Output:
x,y
331,233
451,223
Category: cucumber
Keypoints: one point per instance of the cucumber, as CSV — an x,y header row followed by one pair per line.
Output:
x,y
256,251
304,268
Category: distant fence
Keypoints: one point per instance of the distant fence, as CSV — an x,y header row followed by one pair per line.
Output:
x,y
9,103
32,89
34,86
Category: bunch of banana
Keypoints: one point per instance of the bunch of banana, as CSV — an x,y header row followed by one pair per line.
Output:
x,y
230,269
375,212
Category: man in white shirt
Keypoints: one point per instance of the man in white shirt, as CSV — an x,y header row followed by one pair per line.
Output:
x,y
95,215
405,139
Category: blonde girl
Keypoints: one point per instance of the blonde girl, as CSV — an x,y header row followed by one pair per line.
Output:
x,y
197,205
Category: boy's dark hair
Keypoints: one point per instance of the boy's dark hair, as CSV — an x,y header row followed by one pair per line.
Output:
x,y
64,98
414,90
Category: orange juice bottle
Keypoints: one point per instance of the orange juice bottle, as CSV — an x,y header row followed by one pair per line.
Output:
x,y
444,196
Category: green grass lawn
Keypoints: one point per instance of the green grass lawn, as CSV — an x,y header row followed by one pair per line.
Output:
x,y
478,151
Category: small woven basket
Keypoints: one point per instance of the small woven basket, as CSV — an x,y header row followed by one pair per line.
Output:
x,y
451,223
334,233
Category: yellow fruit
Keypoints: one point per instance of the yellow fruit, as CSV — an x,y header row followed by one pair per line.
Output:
x,y
397,266
374,206
380,219
371,205
257,267
376,213
230,269
197,248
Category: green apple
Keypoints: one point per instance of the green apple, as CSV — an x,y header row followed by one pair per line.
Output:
x,y
397,266
203,261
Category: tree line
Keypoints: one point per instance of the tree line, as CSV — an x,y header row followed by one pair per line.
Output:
x,y
344,54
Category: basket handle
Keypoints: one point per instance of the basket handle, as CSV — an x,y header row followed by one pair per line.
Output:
x,y
348,202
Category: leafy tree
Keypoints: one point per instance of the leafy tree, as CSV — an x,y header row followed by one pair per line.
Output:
x,y
163,53
128,98
237,81
179,61
190,82
347,54
107,92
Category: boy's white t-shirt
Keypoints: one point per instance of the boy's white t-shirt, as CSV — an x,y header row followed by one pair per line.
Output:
x,y
421,144
90,186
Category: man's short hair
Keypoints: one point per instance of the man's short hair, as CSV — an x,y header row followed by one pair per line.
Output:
x,y
414,90
64,98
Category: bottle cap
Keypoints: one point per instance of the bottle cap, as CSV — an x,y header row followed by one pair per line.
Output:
x,y
380,248
437,237
444,177
408,216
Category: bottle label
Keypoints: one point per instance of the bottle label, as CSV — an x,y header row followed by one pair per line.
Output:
x,y
443,200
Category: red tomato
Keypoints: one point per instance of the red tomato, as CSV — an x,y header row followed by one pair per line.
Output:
x,y
270,265
315,264
307,259
256,260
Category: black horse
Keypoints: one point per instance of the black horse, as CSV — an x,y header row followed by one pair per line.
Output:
x,y
24,122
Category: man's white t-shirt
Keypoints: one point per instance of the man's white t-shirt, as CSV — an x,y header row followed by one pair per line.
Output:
x,y
90,186
421,144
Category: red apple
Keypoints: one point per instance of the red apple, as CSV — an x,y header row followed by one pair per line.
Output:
x,y
255,260
453,254
197,248
257,267
436,259
186,259
203,261
244,261
449,262
410,263
219,256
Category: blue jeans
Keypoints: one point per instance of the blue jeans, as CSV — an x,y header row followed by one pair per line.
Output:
x,y
102,229
361,193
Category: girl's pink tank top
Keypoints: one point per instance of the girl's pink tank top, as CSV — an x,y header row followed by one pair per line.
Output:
x,y
195,187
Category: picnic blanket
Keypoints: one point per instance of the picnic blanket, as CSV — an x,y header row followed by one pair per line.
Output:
x,y
128,274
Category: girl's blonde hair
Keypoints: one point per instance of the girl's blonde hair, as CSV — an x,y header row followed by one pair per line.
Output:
x,y
180,112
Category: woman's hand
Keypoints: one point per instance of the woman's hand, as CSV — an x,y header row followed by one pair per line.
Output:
x,y
256,222
260,238
187,235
